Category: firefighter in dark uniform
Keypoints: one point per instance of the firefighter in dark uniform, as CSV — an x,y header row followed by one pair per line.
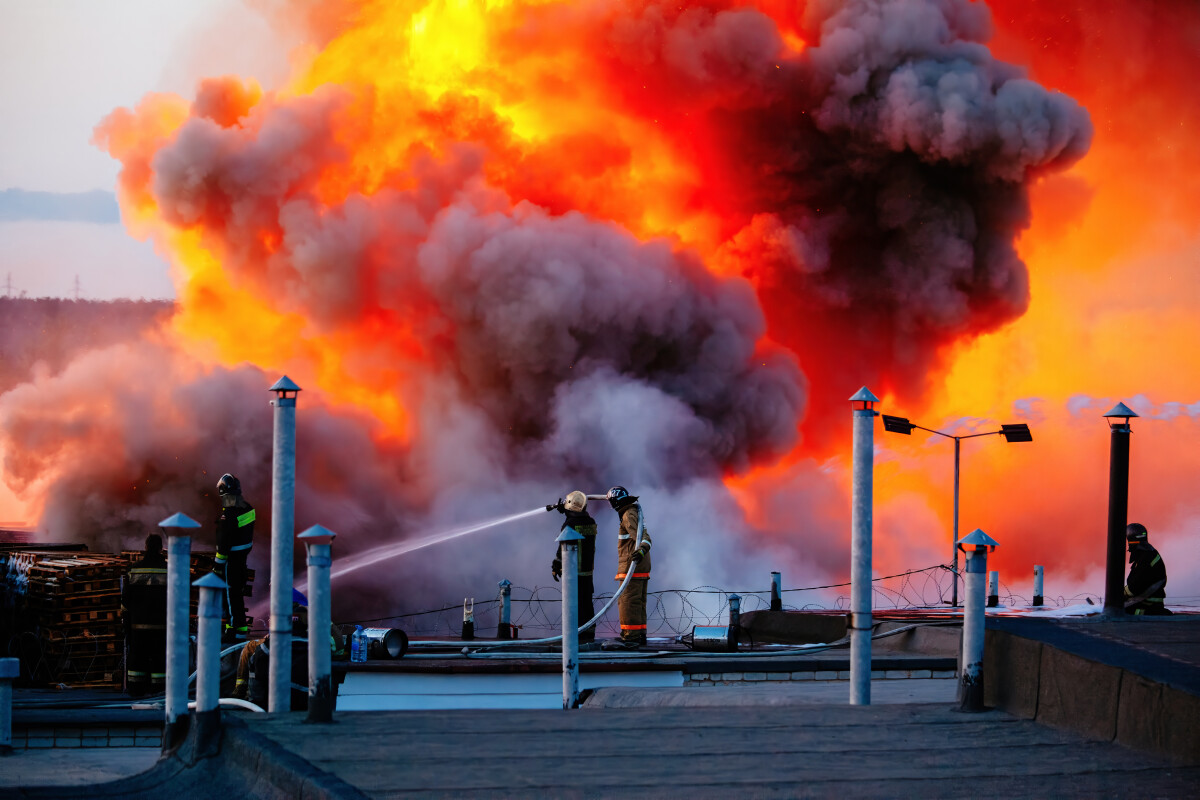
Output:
x,y
634,557
254,664
575,509
1146,586
144,609
235,537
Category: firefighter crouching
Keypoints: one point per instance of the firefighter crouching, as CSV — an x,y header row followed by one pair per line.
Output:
x,y
635,558
235,537
144,609
577,517
1146,586
254,664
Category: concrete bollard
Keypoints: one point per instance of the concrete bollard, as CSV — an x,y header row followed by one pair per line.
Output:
x,y
179,564
993,596
504,629
776,592
976,545
1038,600
568,542
10,670
319,543
735,621
283,524
861,521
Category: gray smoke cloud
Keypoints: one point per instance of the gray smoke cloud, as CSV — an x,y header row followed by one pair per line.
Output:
x,y
890,162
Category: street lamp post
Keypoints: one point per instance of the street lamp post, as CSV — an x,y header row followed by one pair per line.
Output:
x,y
1012,433
1118,508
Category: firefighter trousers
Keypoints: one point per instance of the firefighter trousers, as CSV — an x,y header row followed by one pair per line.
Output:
x,y
585,607
631,606
146,662
235,595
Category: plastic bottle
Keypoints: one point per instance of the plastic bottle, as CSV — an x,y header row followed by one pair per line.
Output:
x,y
358,645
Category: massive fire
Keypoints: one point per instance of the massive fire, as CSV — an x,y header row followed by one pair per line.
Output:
x,y
500,243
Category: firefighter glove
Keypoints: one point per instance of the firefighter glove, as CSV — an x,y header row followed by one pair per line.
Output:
x,y
638,555
556,569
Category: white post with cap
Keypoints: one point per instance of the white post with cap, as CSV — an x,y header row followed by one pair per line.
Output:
x,y
208,643
177,529
569,541
976,545
319,541
283,528
861,521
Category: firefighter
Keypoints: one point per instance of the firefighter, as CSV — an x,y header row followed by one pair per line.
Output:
x,y
1146,586
235,537
253,672
577,517
144,609
631,557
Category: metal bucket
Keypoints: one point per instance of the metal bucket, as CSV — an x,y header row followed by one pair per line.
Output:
x,y
710,638
386,642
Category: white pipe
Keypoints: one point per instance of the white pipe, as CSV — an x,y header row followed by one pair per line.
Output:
x,y
179,558
861,511
776,591
10,668
504,628
993,598
233,702
569,552
283,494
1037,585
208,645
320,679
970,689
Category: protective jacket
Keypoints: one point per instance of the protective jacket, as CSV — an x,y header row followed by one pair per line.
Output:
x,y
1146,570
235,537
627,545
631,606
144,606
583,523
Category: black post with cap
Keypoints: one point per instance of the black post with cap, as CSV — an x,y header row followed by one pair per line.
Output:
x,y
1118,508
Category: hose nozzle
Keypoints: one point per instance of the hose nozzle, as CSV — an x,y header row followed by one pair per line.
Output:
x,y
556,506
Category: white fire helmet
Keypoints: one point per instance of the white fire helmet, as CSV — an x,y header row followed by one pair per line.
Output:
x,y
576,501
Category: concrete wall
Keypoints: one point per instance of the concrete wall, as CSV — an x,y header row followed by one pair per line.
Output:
x,y
1036,680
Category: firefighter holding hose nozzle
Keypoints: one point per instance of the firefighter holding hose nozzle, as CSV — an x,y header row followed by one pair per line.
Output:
x,y
577,517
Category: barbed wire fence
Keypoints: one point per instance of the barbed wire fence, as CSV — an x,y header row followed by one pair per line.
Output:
x,y
671,612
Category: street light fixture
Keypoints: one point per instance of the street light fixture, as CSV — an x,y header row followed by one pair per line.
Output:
x,y
1018,432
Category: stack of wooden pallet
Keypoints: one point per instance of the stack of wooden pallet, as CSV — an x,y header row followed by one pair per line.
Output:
x,y
203,562
70,607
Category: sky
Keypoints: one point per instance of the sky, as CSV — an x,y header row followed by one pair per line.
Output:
x,y
66,65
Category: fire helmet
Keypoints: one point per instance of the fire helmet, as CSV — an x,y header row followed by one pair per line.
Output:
x,y
619,498
1135,532
229,485
576,501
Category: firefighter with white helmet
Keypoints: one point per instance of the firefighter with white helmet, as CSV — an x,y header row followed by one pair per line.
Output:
x,y
577,517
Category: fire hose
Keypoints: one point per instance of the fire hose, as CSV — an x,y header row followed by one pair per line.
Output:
x,y
552,639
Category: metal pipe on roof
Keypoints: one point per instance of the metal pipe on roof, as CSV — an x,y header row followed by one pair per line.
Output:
x,y
283,502
569,541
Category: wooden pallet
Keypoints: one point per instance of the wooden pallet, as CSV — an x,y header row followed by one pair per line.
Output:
x,y
89,616
55,602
